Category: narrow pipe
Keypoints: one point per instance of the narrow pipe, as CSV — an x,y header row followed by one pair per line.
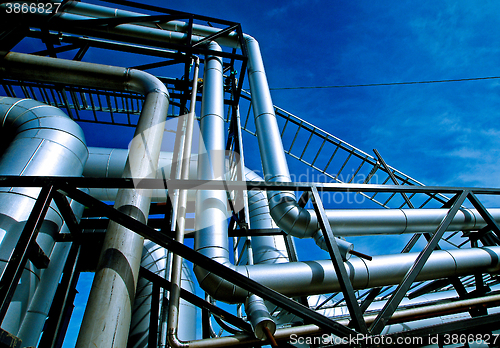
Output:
x,y
284,209
174,299
107,318
104,162
310,330
316,277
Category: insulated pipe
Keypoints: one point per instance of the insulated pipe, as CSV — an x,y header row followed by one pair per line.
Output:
x,y
310,330
266,249
284,209
107,318
105,162
259,317
114,285
38,139
286,212
154,260
110,163
39,306
318,277
258,78
360,222
171,31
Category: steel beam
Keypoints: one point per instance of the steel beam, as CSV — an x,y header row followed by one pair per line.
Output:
x,y
38,181
397,296
19,257
338,264
56,325
197,301
393,177
236,278
484,213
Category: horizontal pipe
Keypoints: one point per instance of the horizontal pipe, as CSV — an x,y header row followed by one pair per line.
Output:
x,y
110,163
310,330
111,291
284,208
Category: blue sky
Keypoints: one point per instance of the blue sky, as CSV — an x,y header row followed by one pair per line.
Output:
x,y
441,133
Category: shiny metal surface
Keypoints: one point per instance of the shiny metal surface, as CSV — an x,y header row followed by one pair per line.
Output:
x,y
110,163
154,260
211,206
39,306
111,292
259,316
179,211
272,267
43,141
108,312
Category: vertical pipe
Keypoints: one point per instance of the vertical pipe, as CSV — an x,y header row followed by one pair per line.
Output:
x,y
38,140
154,260
174,300
211,206
107,317
39,307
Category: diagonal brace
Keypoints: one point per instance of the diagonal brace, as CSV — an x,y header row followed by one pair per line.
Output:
x,y
492,224
19,257
393,302
225,272
338,264
197,301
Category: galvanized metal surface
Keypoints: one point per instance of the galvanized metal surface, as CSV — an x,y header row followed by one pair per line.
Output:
x,y
272,268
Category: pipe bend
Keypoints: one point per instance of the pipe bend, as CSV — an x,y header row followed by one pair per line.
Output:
x,y
219,288
27,119
144,83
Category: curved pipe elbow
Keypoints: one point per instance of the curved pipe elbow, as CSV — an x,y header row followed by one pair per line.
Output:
x,y
144,83
219,288
290,217
175,342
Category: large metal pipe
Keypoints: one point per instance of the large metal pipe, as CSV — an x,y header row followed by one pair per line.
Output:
x,y
316,277
171,31
38,310
110,163
38,139
266,249
108,312
106,162
154,260
285,211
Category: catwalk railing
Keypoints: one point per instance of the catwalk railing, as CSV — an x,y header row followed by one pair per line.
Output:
x,y
57,188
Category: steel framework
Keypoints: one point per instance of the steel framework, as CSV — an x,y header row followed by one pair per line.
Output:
x,y
183,41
